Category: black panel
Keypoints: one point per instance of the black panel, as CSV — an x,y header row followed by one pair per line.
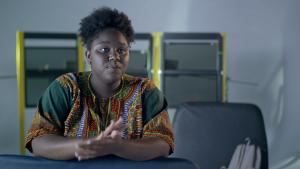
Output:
x,y
192,67
180,89
43,65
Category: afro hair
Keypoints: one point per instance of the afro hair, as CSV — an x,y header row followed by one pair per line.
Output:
x,y
104,18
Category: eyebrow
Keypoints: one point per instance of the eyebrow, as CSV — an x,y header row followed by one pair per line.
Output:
x,y
108,42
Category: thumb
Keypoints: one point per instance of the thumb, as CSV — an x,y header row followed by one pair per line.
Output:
x,y
116,134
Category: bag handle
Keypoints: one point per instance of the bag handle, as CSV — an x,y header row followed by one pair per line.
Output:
x,y
245,156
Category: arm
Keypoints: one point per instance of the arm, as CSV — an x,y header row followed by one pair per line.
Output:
x,y
138,150
58,147
55,147
143,149
45,136
62,148
157,139
111,142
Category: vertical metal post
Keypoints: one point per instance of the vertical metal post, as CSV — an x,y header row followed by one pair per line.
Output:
x,y
21,87
224,71
156,67
80,54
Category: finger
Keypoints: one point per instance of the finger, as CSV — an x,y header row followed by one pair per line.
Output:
x,y
109,129
84,142
119,125
116,134
85,157
90,144
100,136
85,154
119,121
85,150
80,158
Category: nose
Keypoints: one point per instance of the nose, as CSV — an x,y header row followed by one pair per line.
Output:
x,y
114,55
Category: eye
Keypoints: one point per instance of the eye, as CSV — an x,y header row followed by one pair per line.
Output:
x,y
104,50
122,50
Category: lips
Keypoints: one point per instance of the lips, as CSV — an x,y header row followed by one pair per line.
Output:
x,y
113,66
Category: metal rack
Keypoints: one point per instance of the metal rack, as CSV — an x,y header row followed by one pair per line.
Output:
x,y
198,58
35,47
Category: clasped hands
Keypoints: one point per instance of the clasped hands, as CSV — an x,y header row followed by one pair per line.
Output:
x,y
108,142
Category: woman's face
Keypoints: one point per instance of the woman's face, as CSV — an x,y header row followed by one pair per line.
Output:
x,y
108,56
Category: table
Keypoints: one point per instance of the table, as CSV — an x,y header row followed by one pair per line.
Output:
x,y
108,162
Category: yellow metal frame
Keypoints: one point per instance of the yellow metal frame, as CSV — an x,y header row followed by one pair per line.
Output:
x,y
80,51
224,80
156,60
21,81
156,73
21,89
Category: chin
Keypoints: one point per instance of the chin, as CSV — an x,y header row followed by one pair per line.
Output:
x,y
113,78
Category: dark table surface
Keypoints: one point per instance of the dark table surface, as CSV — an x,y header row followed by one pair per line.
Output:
x,y
108,162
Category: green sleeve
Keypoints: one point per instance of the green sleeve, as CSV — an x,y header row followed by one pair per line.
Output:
x,y
156,121
56,101
52,110
154,103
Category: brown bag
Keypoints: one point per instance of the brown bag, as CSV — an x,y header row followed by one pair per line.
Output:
x,y
245,156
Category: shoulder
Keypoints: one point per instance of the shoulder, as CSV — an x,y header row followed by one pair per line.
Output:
x,y
150,92
144,83
72,79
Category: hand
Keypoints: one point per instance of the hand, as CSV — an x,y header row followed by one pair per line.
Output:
x,y
106,143
113,128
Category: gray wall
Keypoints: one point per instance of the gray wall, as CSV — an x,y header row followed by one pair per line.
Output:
x,y
288,135
257,41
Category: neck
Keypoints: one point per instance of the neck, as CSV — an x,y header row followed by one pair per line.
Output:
x,y
104,90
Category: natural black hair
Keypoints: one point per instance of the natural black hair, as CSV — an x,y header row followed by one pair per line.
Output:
x,y
101,19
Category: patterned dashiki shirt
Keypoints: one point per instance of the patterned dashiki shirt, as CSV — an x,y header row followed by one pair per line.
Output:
x,y
70,108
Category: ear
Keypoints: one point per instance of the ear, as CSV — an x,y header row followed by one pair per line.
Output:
x,y
88,56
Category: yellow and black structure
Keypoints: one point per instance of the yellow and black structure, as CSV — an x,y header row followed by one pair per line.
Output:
x,y
193,67
184,66
40,58
140,62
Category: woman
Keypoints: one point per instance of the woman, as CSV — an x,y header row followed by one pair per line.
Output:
x,y
86,115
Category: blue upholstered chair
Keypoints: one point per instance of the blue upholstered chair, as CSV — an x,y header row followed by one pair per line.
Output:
x,y
207,133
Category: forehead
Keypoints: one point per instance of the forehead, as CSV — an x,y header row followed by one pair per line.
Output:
x,y
110,36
